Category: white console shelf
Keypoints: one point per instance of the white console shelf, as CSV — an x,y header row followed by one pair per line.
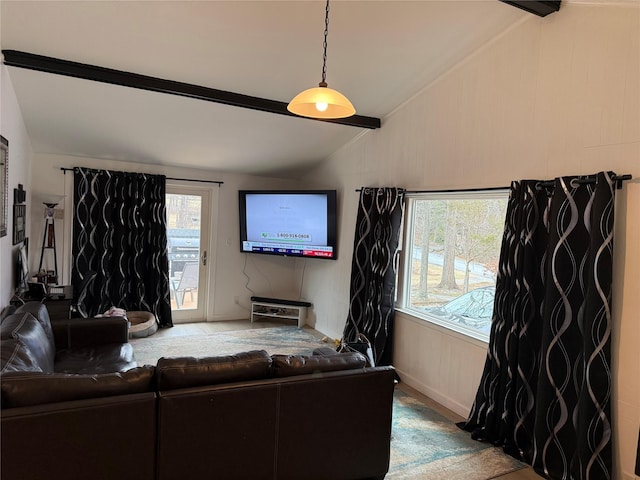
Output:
x,y
273,309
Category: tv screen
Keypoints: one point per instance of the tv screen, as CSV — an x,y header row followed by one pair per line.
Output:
x,y
297,223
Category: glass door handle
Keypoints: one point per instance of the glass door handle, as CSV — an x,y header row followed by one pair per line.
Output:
x,y
204,257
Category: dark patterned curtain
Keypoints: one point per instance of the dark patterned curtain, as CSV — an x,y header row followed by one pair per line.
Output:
x,y
119,231
545,392
373,270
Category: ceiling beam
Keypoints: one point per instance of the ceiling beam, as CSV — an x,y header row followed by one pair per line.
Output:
x,y
14,58
542,8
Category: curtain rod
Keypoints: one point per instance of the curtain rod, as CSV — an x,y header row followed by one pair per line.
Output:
x,y
402,190
583,180
590,179
65,170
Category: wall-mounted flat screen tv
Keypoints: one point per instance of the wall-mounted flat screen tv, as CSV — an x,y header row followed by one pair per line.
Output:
x,y
297,223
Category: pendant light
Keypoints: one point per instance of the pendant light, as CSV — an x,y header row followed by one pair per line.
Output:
x,y
322,101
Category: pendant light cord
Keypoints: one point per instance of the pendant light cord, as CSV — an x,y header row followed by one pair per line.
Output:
x,y
323,83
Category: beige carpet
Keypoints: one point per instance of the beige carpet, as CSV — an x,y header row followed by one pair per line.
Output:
x,y
424,444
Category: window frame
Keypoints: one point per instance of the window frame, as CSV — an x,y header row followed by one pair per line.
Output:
x,y
403,303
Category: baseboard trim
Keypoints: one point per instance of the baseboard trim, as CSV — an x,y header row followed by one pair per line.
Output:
x,y
433,394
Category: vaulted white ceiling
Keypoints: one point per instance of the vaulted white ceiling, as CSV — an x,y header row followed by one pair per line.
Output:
x,y
380,53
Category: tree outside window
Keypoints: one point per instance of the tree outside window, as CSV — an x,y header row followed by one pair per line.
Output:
x,y
451,257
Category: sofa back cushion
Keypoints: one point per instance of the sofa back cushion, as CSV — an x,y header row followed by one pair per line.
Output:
x,y
184,372
289,365
40,312
33,348
22,389
16,357
6,311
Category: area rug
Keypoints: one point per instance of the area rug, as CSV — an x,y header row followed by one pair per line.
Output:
x,y
427,445
424,444
277,340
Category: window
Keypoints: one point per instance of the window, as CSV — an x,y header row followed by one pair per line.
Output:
x,y
451,253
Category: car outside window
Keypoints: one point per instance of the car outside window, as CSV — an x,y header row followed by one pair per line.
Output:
x,y
451,252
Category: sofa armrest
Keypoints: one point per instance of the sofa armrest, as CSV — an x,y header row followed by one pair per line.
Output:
x,y
86,332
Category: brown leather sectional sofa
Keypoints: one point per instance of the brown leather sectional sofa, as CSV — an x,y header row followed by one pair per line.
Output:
x,y
30,342
244,416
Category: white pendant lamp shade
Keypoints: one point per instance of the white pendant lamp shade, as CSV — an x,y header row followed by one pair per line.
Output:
x,y
321,102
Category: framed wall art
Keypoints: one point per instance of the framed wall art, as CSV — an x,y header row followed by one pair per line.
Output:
x,y
19,214
4,184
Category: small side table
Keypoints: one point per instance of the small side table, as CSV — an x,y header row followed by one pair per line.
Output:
x,y
59,302
58,308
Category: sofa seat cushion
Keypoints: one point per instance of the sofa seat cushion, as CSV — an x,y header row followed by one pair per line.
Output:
x,y
184,372
289,365
111,357
22,389
33,348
